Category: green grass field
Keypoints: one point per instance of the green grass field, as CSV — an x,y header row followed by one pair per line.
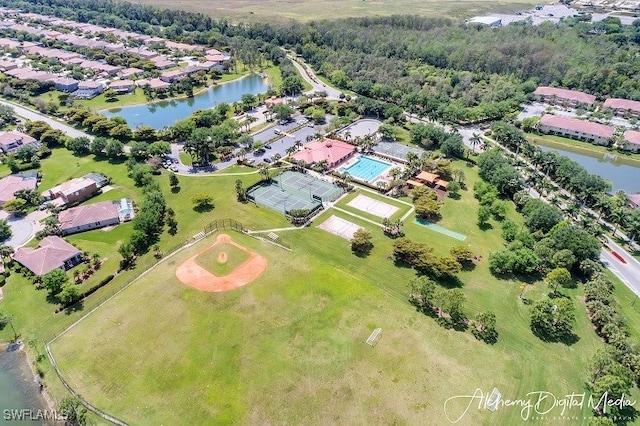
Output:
x,y
211,261
307,10
289,347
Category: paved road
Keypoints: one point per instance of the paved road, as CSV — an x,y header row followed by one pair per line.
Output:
x,y
310,77
629,273
32,115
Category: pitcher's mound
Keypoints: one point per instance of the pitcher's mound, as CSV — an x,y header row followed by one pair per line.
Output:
x,y
194,275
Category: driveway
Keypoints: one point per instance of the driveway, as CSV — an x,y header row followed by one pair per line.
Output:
x,y
24,228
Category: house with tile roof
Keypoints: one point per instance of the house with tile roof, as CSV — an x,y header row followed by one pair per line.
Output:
x,y
555,95
631,141
72,191
577,129
623,107
52,253
11,184
94,216
11,141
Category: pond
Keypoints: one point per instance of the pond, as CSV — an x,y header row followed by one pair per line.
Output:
x,y
165,113
623,175
18,390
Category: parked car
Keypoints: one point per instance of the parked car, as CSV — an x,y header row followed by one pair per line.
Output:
x,y
173,168
268,146
277,131
266,160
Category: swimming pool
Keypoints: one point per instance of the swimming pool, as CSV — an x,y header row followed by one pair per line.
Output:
x,y
366,168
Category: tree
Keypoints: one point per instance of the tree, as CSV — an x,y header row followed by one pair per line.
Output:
x,y
553,320
240,191
453,190
427,208
485,327
484,213
292,85
499,209
16,206
5,230
283,111
74,412
114,149
79,146
25,153
98,145
174,182
361,241
54,281
202,201
558,277
462,254
70,293
7,319
110,95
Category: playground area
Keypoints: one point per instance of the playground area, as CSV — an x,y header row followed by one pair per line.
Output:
x,y
375,207
243,264
340,227
294,191
396,150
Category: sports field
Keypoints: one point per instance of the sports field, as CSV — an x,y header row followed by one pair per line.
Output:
x,y
221,259
306,10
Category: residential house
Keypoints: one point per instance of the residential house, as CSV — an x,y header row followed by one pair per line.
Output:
x,y
577,129
9,185
6,43
155,84
332,151
52,253
127,73
631,141
93,216
7,65
162,62
623,107
72,191
207,65
88,89
143,53
633,201
11,141
122,86
171,76
571,98
65,84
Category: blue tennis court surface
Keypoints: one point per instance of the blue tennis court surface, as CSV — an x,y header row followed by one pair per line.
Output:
x,y
440,229
366,168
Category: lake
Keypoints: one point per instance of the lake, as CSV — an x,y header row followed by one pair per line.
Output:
x,y
165,113
622,174
18,389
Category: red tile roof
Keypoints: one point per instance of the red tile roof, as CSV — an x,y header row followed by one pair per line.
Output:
x,y
632,137
634,198
330,150
623,104
576,125
88,214
12,183
571,95
50,254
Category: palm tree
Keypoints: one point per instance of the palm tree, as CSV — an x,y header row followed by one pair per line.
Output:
x,y
619,217
475,141
264,171
290,150
5,251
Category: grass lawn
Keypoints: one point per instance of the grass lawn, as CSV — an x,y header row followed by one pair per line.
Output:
x,y
100,102
222,259
185,158
289,347
306,10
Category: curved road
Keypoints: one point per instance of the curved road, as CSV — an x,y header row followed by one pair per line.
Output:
x,y
310,77
32,115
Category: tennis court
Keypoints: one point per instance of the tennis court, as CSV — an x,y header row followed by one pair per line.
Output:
x,y
275,198
396,150
305,186
375,207
340,227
